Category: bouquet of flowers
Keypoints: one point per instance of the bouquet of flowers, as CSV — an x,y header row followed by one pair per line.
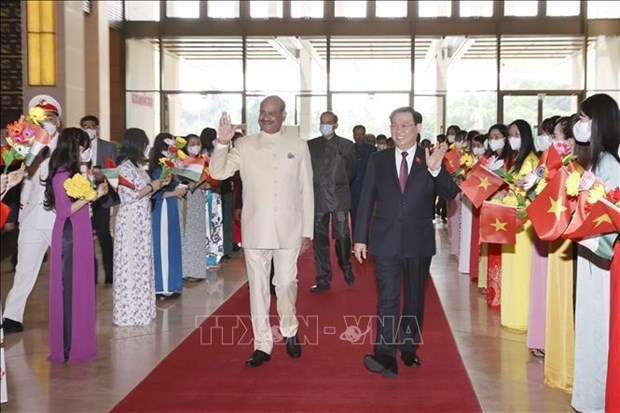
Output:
x,y
173,157
81,186
25,138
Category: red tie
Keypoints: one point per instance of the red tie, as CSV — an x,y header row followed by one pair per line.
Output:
x,y
404,172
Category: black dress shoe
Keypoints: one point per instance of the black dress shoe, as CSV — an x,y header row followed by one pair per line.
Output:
x,y
410,358
257,358
12,326
317,288
349,277
382,363
293,348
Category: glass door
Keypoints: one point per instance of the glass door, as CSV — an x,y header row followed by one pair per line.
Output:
x,y
433,111
534,107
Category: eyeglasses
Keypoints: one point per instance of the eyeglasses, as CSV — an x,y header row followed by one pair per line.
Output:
x,y
403,126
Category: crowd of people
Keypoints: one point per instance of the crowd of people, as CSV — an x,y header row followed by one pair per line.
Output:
x,y
277,194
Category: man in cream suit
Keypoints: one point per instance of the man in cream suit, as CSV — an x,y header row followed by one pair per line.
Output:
x,y
35,222
277,219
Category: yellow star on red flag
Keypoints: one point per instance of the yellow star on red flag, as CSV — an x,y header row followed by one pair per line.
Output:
x,y
484,183
499,225
557,207
602,218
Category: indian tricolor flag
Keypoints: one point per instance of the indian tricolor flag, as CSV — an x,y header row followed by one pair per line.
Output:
x,y
114,177
192,168
41,140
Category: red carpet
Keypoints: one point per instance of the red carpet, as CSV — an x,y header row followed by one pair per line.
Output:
x,y
329,377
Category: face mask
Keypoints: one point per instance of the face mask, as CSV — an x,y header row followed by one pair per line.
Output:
x,y
86,155
582,131
478,151
193,150
92,134
326,129
451,138
543,142
496,144
147,150
515,143
50,128
459,145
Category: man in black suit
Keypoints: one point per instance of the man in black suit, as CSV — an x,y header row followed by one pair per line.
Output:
x,y
363,150
401,183
101,150
333,165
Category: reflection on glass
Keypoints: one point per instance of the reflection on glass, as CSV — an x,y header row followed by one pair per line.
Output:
x,y
143,111
541,63
521,8
142,10
435,8
192,112
563,8
471,110
310,109
307,9
369,109
471,63
263,9
390,8
478,8
431,109
350,8
603,9
521,107
218,9
183,8
560,105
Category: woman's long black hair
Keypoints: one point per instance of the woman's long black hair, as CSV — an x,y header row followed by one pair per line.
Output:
x,y
133,145
527,143
66,157
605,132
158,147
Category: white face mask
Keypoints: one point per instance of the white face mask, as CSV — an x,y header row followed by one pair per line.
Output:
x,y
147,150
50,128
193,150
543,142
86,155
451,138
326,129
515,143
92,134
496,144
478,151
459,145
582,131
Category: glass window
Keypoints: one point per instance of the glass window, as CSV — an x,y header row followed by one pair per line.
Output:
x,y
143,111
263,9
541,63
369,109
350,9
562,105
521,8
391,8
476,8
183,8
604,59
41,27
139,10
471,110
431,109
603,9
376,63
268,56
426,49
521,107
435,8
203,64
219,9
306,9
563,8
309,109
142,63
313,63
192,112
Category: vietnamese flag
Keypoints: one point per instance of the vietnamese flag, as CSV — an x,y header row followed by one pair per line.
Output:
x,y
480,184
452,160
550,212
498,223
603,218
550,159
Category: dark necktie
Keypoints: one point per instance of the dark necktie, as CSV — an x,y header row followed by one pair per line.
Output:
x,y
404,172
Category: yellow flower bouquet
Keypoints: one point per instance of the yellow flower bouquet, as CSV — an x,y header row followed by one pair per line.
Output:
x,y
80,187
173,157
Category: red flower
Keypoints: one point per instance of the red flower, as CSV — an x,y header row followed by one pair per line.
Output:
x,y
169,163
613,195
417,160
173,149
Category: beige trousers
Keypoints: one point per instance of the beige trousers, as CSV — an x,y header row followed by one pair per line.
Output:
x,y
258,264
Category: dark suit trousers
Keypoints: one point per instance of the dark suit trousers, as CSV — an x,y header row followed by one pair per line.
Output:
x,y
101,225
321,243
393,330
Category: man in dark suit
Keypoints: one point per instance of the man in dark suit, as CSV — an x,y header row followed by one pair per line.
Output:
x,y
363,150
401,183
101,150
333,165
